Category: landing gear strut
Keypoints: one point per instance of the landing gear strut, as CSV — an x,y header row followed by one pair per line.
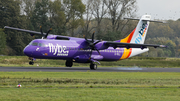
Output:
x,y
93,66
69,63
31,62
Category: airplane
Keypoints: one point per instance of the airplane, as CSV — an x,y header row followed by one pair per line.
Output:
x,y
83,50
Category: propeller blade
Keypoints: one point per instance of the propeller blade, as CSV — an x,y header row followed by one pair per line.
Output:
x,y
90,54
98,51
93,37
41,31
87,40
92,44
48,33
96,42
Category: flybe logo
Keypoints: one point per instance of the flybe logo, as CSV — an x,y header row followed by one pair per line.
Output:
x,y
58,50
141,33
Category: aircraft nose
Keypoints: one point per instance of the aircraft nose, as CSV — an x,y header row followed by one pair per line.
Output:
x,y
27,51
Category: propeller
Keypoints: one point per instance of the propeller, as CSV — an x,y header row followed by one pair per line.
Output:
x,y
92,44
44,36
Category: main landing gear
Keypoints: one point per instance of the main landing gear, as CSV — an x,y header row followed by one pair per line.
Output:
x,y
69,63
31,62
93,66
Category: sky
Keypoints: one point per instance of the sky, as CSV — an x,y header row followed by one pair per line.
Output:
x,y
159,9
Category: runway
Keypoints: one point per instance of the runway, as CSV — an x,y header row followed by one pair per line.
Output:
x,y
86,69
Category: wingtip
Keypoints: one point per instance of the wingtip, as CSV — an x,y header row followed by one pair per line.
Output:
x,y
163,46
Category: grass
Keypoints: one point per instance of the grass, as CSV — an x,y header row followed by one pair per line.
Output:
x,y
89,80
99,86
90,86
90,94
23,61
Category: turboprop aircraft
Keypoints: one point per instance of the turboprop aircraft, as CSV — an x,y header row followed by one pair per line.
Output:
x,y
83,50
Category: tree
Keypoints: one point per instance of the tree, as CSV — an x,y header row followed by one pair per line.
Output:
x,y
99,11
2,41
57,17
111,36
88,16
160,30
118,9
167,52
74,10
10,16
40,15
9,10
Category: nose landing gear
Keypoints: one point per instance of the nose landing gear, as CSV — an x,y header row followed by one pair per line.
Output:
x,y
31,62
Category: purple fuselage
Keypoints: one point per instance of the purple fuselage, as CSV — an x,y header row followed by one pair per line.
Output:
x,y
70,49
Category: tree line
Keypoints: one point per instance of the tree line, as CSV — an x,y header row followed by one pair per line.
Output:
x,y
78,18
66,17
167,34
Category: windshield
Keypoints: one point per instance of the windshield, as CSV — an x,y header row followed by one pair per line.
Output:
x,y
37,44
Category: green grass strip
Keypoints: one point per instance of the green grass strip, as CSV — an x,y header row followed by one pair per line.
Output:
x,y
90,86
23,61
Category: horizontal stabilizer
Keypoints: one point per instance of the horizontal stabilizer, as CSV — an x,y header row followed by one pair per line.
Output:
x,y
146,20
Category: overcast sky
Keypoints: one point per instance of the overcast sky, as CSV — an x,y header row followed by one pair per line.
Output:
x,y
159,9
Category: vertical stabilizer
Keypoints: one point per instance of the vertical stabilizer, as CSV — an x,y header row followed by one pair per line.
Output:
x,y
138,35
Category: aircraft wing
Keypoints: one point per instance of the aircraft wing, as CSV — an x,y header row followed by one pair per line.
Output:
x,y
131,45
23,30
38,33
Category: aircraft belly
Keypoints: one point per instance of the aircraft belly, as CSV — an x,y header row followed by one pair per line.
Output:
x,y
110,57
81,56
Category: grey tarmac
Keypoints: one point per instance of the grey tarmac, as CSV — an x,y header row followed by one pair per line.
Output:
x,y
86,69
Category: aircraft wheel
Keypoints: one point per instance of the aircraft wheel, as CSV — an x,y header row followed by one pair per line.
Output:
x,y
31,63
69,63
93,66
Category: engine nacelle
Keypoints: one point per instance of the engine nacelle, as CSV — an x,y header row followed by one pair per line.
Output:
x,y
101,45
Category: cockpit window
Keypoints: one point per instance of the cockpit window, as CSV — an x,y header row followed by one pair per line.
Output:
x,y
34,44
30,43
42,45
37,44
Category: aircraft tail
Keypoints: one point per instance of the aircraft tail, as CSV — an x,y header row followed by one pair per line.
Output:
x,y
138,35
